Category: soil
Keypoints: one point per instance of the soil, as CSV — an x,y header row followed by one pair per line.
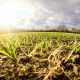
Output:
x,y
40,66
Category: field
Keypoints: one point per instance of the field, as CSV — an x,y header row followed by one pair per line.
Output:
x,y
40,56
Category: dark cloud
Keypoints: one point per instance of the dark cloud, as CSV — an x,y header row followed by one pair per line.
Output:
x,y
62,11
54,12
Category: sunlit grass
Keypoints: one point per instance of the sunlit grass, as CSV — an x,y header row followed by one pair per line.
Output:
x,y
55,47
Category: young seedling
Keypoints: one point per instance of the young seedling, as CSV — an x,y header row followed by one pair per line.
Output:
x,y
38,45
76,46
58,42
11,53
10,49
75,49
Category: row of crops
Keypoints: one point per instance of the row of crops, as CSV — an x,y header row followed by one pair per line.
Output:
x,y
40,56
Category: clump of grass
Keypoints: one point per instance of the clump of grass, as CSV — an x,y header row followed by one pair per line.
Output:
x,y
42,45
10,52
11,47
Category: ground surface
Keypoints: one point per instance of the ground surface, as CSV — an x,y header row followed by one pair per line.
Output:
x,y
40,56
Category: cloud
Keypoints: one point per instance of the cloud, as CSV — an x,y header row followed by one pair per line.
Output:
x,y
40,13
56,12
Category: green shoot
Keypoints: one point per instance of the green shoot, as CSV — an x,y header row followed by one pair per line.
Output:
x,y
10,49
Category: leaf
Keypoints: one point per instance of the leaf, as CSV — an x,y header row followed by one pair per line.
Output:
x,y
69,55
5,53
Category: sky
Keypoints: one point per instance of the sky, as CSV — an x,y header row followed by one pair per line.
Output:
x,y
29,14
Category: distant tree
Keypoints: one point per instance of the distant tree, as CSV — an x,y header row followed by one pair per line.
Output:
x,y
75,30
47,28
62,28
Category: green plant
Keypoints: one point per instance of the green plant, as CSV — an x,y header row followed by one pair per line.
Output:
x,y
11,47
57,42
76,46
10,51
37,46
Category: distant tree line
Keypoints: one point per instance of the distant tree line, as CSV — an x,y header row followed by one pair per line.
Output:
x,y
61,28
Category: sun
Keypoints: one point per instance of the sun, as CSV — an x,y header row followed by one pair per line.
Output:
x,y
13,11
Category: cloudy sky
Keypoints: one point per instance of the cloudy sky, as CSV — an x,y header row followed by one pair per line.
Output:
x,y
39,13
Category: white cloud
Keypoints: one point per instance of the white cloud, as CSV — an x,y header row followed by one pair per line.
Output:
x,y
14,11
37,13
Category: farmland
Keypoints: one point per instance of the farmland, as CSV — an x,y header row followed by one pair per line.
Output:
x,y
40,56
